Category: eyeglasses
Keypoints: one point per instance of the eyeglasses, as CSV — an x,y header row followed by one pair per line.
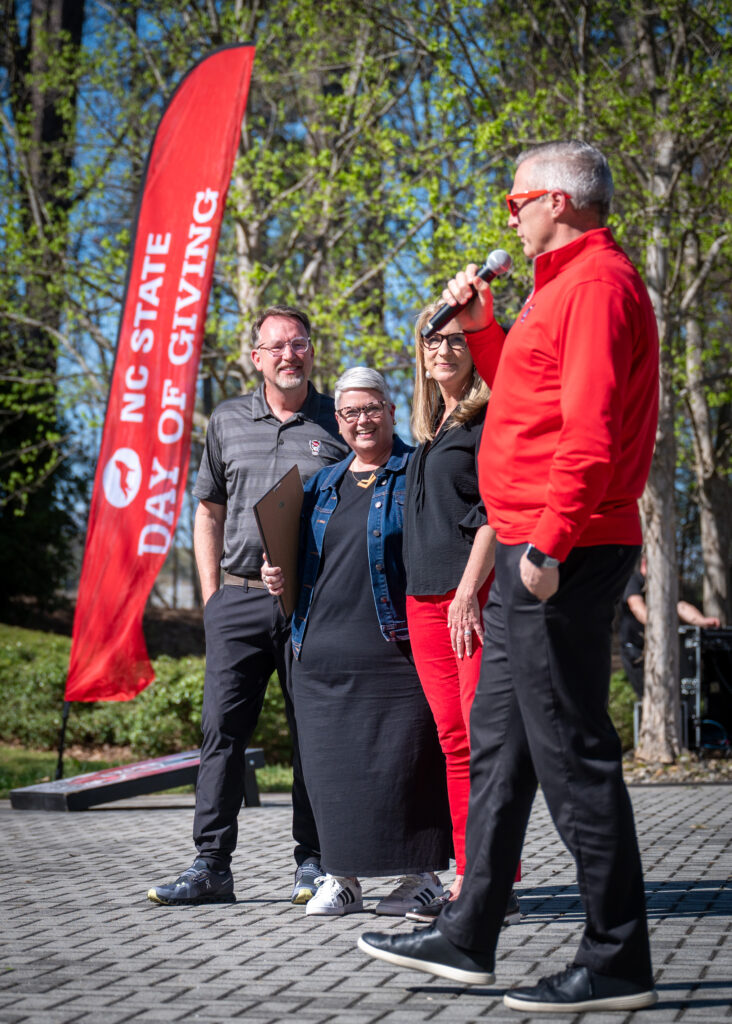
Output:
x,y
351,413
515,209
299,347
456,341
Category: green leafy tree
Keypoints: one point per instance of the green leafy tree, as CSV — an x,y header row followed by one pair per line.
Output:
x,y
650,86
38,101
378,143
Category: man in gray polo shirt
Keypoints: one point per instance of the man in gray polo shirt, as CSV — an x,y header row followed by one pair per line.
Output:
x,y
252,441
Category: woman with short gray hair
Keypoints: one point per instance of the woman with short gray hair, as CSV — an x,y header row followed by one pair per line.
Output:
x,y
371,759
361,377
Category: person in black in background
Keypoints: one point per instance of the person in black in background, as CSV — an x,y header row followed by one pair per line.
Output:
x,y
251,442
633,618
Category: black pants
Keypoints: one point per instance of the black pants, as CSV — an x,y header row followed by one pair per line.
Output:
x,y
540,712
246,640
632,659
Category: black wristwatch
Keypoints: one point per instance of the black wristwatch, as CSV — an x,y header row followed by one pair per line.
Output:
x,y
539,559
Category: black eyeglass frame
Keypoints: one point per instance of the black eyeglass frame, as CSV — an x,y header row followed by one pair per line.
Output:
x,y
434,341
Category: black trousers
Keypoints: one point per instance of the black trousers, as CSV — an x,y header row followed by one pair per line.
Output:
x,y
540,712
246,640
632,659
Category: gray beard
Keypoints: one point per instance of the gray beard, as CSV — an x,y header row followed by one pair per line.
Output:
x,y
290,383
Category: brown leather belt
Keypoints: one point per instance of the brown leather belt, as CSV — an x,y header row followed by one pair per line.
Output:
x,y
242,581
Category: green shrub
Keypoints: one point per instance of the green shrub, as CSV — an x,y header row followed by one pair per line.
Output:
x,y
163,719
622,699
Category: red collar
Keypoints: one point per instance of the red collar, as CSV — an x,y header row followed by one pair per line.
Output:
x,y
548,265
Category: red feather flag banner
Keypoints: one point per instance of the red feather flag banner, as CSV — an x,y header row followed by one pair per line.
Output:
x,y
143,461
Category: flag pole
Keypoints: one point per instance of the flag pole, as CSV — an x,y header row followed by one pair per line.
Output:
x,y
61,738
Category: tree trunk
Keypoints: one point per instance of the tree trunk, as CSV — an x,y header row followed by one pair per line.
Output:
x,y
249,297
713,488
715,502
661,718
716,531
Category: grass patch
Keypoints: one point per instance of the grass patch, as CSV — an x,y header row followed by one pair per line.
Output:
x,y
275,778
20,767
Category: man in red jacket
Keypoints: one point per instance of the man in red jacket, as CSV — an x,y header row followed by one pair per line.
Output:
x,y
566,451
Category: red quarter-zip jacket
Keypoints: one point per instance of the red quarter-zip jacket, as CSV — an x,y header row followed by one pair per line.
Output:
x,y
571,423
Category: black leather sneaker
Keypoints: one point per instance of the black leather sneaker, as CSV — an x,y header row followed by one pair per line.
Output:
x,y
428,950
577,989
198,884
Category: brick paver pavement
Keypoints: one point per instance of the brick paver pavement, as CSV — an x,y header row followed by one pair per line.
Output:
x,y
81,944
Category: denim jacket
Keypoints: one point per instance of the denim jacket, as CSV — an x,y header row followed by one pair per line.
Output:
x,y
384,527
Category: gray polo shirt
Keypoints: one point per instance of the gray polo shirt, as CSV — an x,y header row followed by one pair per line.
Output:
x,y
248,450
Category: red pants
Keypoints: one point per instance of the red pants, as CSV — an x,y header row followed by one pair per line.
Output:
x,y
449,685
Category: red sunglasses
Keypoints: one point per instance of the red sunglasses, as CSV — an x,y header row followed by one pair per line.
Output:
x,y
512,200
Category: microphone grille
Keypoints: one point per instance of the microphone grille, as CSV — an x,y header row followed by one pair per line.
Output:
x,y
499,262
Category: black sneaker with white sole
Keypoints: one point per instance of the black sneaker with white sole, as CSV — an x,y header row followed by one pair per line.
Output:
x,y
197,884
578,989
428,950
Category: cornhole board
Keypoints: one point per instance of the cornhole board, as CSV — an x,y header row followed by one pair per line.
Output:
x,y
159,773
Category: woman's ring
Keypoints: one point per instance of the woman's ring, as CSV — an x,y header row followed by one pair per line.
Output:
x,y
467,632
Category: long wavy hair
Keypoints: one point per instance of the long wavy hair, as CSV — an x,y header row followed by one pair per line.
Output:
x,y
427,403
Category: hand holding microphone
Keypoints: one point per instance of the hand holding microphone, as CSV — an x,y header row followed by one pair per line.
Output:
x,y
463,291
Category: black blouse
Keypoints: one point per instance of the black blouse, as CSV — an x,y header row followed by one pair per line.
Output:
x,y
442,508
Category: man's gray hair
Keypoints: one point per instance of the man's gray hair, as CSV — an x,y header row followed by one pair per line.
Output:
x,y
576,168
289,312
360,378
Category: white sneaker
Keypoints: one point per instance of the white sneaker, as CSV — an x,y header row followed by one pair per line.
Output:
x,y
412,891
335,896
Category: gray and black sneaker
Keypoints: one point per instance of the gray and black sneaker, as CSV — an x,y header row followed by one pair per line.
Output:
x,y
428,913
433,909
307,879
513,910
198,884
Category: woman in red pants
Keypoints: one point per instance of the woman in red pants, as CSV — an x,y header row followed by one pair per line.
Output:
x,y
448,553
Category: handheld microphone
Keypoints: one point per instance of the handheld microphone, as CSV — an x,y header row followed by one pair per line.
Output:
x,y
497,263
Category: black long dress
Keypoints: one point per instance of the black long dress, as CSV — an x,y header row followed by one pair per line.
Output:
x,y
373,767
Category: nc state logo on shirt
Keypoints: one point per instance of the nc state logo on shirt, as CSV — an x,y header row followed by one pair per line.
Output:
x,y
315,447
